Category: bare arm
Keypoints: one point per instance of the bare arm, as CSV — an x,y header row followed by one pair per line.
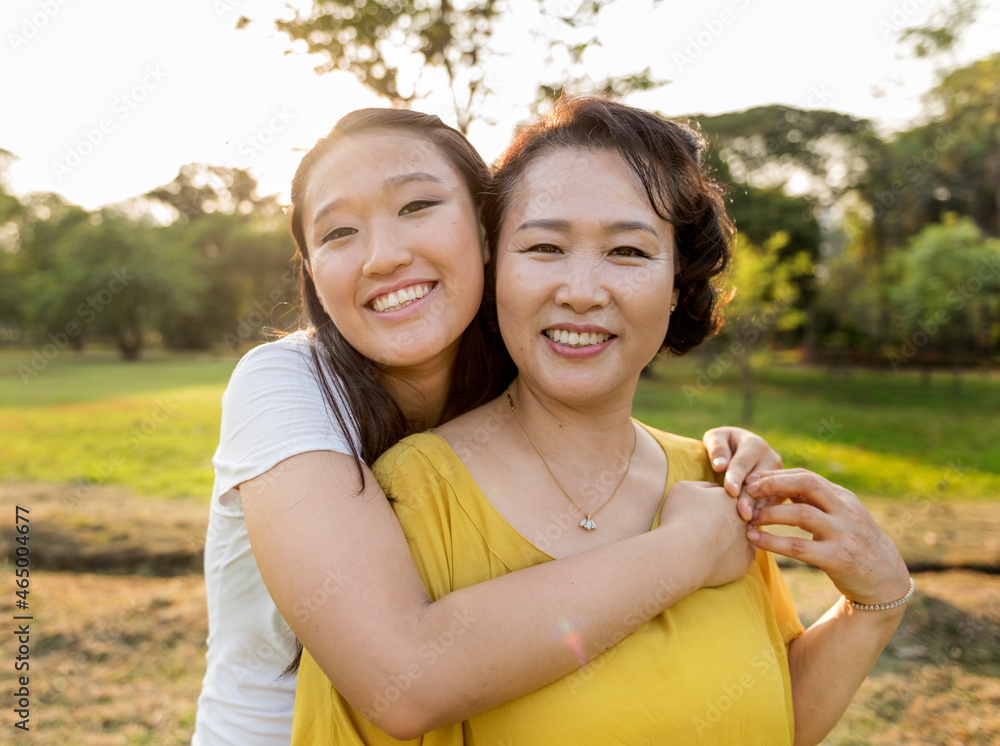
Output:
x,y
339,569
832,658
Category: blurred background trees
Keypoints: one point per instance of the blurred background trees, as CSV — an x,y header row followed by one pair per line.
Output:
x,y
867,237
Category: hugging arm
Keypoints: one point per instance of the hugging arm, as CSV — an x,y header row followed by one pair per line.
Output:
x,y
832,658
340,571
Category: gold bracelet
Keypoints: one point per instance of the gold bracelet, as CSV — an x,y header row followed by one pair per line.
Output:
x,y
883,607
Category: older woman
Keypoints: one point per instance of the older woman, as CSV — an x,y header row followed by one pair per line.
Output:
x,y
607,235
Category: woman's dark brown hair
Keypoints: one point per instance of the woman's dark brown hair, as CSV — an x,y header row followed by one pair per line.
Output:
x,y
352,383
666,157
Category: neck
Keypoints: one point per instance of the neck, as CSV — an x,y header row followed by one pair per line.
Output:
x,y
422,390
562,427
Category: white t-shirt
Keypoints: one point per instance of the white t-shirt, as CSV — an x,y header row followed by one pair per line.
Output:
x,y
272,409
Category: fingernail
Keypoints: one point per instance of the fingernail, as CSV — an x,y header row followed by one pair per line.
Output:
x,y
753,534
756,513
760,503
719,461
752,486
752,478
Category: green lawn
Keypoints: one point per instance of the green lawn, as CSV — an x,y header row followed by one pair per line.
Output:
x,y
153,425
875,432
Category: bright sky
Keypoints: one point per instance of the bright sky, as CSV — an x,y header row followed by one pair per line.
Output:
x,y
104,100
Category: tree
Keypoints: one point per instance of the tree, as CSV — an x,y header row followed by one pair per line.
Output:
x,y
763,302
945,295
376,40
200,189
109,275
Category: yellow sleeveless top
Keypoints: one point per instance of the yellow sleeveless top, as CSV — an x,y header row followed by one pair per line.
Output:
x,y
711,669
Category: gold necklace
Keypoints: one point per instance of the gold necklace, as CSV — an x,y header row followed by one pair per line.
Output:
x,y
587,523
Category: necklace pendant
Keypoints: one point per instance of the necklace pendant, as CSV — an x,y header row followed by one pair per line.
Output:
x,y
587,524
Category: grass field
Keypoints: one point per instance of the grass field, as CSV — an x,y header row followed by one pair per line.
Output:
x,y
114,461
153,425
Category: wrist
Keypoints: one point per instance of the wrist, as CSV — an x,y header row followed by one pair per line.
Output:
x,y
684,566
896,605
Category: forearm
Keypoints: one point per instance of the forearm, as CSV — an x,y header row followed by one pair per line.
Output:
x,y
830,661
487,644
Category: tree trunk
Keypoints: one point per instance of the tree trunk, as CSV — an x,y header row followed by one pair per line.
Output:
x,y
746,379
130,345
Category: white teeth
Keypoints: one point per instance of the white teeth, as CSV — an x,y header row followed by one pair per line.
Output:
x,y
400,298
576,339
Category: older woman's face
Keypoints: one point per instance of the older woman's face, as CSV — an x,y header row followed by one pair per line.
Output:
x,y
584,275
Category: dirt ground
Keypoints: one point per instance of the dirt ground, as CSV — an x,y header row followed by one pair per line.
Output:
x,y
117,639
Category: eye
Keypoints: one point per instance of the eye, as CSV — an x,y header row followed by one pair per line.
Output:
x,y
416,206
543,248
629,251
336,233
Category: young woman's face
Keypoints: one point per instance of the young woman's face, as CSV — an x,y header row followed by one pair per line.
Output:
x,y
396,247
585,271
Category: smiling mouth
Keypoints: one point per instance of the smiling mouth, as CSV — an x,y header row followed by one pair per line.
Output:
x,y
401,298
576,339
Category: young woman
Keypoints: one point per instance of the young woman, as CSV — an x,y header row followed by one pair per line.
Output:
x,y
386,216
608,236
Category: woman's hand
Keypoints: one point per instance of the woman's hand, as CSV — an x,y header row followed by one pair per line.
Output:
x,y
739,453
703,512
846,542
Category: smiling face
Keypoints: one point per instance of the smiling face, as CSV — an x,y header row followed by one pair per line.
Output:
x,y
585,271
396,248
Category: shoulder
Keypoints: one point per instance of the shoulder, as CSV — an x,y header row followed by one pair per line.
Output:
x,y
423,453
293,350
284,367
684,454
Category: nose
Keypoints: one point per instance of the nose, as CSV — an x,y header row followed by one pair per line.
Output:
x,y
583,286
385,252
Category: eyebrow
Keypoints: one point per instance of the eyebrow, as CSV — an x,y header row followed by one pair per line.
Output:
x,y
396,181
391,182
563,226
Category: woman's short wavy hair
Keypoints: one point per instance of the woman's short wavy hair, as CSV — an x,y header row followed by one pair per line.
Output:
x,y
666,156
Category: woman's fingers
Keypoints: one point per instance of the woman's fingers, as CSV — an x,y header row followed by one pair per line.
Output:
x,y
796,547
739,452
752,455
806,517
716,442
797,485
